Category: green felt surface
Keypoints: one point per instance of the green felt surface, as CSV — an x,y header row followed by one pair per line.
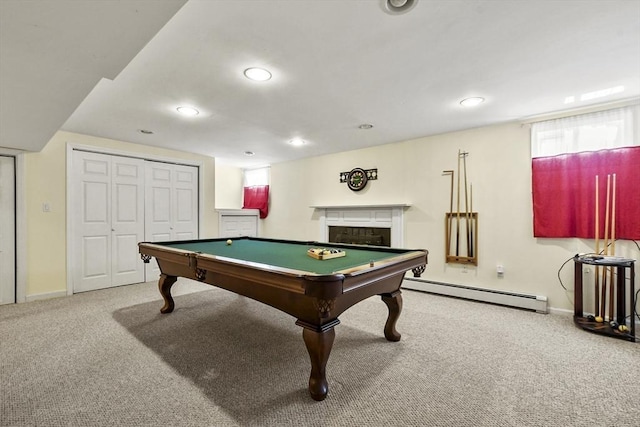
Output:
x,y
287,255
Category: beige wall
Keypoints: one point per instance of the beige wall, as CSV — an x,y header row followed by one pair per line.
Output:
x,y
228,187
498,167
46,182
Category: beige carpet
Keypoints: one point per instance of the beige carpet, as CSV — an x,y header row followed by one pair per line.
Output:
x,y
110,358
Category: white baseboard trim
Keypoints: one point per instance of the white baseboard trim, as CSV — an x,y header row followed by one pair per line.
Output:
x,y
537,303
45,295
561,311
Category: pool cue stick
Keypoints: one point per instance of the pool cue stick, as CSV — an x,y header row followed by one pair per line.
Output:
x,y
466,203
603,301
458,208
597,251
613,246
450,218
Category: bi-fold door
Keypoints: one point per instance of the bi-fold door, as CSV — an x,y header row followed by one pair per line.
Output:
x,y
171,205
108,220
118,203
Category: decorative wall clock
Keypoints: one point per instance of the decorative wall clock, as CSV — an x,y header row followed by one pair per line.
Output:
x,y
357,178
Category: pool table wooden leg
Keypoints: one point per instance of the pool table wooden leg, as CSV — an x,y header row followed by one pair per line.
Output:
x,y
394,304
319,342
164,284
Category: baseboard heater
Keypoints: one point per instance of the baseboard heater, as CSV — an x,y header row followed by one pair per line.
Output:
x,y
536,303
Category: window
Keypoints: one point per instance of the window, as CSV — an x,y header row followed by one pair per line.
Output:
x,y
588,132
567,156
256,190
256,177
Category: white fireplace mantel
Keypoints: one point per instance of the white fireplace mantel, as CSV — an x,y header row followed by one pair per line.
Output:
x,y
378,216
379,205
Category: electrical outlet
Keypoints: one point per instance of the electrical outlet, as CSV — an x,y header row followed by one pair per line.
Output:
x,y
500,269
46,207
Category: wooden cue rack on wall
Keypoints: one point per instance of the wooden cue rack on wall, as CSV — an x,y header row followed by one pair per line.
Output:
x,y
461,225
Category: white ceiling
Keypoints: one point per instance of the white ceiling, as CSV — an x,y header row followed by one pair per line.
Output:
x,y
336,64
53,52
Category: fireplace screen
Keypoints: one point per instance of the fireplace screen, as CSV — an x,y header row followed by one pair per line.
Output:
x,y
360,235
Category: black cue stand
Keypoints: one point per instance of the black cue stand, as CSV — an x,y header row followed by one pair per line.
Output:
x,y
621,265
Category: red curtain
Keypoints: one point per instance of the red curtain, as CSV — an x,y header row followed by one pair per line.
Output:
x,y
564,193
257,197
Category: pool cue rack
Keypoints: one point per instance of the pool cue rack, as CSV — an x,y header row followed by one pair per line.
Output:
x,y
609,315
461,225
470,245
625,269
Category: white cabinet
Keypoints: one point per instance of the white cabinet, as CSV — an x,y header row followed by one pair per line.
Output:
x,y
238,222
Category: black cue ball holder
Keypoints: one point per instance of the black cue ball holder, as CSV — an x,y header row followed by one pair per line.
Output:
x,y
597,324
325,253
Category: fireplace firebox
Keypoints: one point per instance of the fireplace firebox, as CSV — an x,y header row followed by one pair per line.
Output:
x,y
360,235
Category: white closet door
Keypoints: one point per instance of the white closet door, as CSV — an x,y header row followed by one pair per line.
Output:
x,y
171,205
185,185
92,220
158,202
108,220
127,220
7,231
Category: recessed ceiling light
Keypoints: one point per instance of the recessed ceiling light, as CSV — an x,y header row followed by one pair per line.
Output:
x,y
257,74
145,131
365,126
297,142
188,111
249,153
472,102
398,6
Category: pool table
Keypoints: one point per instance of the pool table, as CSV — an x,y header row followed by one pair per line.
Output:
x,y
281,274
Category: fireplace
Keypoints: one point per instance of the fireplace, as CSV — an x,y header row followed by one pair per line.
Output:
x,y
360,235
359,224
